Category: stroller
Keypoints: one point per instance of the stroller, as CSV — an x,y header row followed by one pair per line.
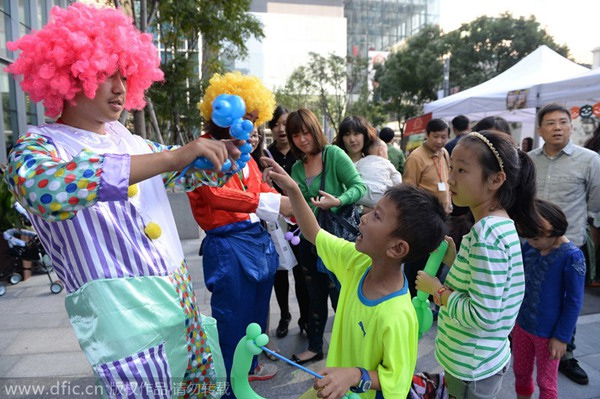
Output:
x,y
31,250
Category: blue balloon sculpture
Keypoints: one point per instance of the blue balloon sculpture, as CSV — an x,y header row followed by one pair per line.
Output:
x,y
228,110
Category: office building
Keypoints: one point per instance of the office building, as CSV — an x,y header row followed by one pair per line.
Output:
x,y
18,17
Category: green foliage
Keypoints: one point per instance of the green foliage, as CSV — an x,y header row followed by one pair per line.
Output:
x,y
479,51
9,217
412,75
374,111
489,46
324,85
225,26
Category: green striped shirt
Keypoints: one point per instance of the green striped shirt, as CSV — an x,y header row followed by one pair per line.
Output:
x,y
488,282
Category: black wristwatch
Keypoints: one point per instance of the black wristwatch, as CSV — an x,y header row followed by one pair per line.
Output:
x,y
365,382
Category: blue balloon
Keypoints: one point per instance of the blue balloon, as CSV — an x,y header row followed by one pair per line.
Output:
x,y
203,163
240,164
241,129
226,109
246,148
245,157
221,121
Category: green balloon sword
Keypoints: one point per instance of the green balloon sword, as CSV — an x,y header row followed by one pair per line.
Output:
x,y
421,301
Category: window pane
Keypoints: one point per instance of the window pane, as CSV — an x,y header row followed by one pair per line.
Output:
x,y
8,108
4,22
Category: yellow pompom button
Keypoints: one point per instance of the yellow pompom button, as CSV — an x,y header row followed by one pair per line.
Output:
x,y
132,190
153,230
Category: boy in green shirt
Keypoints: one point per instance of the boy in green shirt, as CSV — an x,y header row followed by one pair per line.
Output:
x,y
373,347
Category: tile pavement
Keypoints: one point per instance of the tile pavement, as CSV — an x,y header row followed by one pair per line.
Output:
x,y
38,347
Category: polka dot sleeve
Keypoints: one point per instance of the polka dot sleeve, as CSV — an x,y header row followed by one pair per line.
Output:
x,y
47,185
193,178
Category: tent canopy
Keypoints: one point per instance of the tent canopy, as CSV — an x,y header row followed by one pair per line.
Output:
x,y
582,89
489,98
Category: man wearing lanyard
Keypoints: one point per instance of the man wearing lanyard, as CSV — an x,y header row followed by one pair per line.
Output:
x,y
428,167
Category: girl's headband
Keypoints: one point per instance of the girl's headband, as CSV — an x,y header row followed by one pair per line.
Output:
x,y
491,146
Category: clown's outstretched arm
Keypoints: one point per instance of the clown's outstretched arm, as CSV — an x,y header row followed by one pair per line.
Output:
x,y
36,173
148,165
304,215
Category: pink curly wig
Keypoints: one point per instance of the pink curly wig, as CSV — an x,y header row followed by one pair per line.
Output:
x,y
78,50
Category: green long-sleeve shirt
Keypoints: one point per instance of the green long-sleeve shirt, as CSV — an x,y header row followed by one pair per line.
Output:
x,y
341,178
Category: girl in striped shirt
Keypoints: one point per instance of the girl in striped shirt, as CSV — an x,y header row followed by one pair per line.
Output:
x,y
484,288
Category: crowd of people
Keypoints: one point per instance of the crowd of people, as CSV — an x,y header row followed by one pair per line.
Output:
x,y
369,215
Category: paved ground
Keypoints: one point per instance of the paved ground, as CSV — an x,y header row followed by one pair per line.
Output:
x,y
38,349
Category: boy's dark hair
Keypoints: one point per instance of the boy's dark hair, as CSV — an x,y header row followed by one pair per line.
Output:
x,y
552,107
304,120
421,219
517,193
356,124
280,110
460,123
492,123
554,215
437,125
387,134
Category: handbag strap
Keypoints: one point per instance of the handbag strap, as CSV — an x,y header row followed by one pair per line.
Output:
x,y
323,171
337,217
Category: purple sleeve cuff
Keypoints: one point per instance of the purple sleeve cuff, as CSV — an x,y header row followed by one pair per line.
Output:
x,y
114,179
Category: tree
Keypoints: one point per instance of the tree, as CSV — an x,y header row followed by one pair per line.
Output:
x,y
479,51
489,46
411,76
224,26
323,85
370,108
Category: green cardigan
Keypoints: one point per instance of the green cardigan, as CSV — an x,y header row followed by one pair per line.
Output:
x,y
341,178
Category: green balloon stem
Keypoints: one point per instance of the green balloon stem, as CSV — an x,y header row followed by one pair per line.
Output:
x,y
242,361
247,348
421,301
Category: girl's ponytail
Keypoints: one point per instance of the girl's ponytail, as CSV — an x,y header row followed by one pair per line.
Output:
x,y
524,209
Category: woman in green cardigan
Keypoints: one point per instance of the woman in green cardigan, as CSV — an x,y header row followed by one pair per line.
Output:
x,y
343,186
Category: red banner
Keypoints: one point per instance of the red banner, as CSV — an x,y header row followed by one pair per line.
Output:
x,y
417,125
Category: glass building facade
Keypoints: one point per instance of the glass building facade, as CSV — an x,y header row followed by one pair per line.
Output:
x,y
18,17
377,25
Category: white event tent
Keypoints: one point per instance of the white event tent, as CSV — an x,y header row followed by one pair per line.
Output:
x,y
489,98
579,90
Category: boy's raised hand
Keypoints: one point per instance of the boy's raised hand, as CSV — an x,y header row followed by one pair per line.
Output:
x,y
304,215
274,172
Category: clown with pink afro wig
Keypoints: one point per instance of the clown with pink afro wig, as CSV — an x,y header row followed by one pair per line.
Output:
x,y
78,50
96,195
